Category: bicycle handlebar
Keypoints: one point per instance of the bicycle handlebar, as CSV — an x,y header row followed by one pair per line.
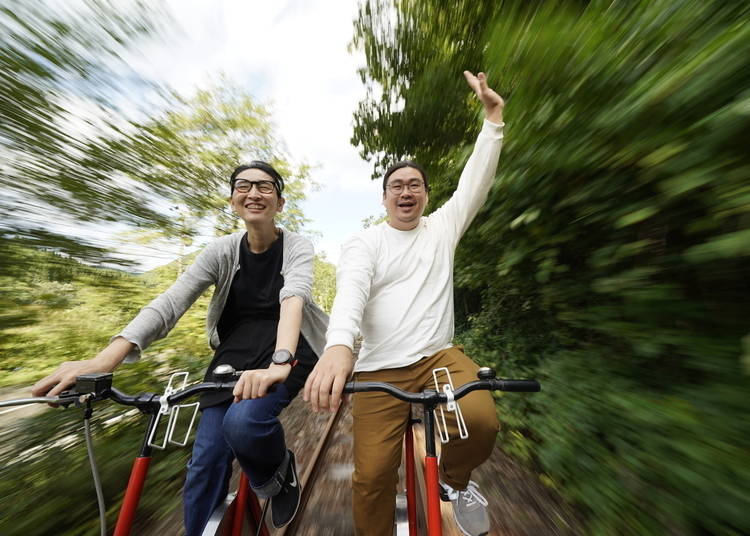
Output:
x,y
147,400
430,396
142,401
32,400
153,401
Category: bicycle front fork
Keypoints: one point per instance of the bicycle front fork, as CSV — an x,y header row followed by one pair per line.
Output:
x,y
431,474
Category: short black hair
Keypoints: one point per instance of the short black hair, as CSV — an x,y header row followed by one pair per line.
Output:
x,y
278,181
403,164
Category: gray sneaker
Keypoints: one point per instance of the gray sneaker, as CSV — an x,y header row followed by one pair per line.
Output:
x,y
469,509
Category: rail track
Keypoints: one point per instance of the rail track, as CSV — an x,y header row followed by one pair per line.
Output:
x,y
325,464
520,505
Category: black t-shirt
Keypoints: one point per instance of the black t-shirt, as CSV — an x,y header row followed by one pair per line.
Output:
x,y
248,323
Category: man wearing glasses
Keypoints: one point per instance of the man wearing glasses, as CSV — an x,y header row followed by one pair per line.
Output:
x,y
395,286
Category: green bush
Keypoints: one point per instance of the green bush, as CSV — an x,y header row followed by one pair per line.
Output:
x,y
38,497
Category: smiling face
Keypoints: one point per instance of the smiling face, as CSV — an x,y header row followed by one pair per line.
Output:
x,y
254,207
406,207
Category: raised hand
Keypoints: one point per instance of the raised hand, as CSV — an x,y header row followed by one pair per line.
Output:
x,y
492,102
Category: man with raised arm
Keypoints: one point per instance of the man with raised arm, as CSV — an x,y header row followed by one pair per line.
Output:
x,y
395,286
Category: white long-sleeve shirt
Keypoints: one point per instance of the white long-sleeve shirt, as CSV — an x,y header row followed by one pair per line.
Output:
x,y
396,287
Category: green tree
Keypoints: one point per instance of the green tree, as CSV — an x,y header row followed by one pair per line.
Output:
x,y
61,136
324,282
193,147
374,219
74,309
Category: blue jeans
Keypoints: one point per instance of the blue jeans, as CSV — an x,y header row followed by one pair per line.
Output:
x,y
248,430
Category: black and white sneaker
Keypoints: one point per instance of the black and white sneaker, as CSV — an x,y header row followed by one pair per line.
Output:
x,y
285,503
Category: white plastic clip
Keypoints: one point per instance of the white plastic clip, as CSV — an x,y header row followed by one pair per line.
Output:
x,y
173,412
450,405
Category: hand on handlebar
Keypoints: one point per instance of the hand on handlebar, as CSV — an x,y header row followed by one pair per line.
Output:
x,y
256,383
65,375
325,384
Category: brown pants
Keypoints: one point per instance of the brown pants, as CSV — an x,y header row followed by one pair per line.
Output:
x,y
379,426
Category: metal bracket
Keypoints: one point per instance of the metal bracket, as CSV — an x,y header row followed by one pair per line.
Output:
x,y
173,412
173,423
450,405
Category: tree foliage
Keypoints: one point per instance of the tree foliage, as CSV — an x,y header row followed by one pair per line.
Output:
x,y
55,310
58,165
87,142
611,258
324,282
190,151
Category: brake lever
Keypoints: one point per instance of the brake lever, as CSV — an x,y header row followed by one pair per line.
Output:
x,y
68,398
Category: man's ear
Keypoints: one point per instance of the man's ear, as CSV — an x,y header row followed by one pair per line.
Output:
x,y
280,206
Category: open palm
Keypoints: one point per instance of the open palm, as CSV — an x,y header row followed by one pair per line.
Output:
x,y
493,103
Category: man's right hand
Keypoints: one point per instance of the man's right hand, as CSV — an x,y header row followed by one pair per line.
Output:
x,y
325,383
65,375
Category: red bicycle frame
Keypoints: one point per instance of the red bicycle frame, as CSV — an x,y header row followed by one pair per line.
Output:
x,y
431,477
245,507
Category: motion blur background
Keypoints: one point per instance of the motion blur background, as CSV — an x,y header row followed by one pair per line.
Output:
x,y
611,260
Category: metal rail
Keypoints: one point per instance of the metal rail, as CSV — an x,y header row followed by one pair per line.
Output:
x,y
311,474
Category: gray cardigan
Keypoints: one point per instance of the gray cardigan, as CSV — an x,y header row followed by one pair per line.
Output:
x,y
216,265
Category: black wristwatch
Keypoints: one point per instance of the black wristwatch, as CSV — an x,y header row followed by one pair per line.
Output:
x,y
283,357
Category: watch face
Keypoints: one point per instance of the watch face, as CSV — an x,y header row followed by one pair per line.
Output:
x,y
282,357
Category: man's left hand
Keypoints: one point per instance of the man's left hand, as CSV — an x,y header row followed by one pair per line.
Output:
x,y
492,102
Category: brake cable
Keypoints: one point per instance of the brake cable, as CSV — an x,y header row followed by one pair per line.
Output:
x,y
88,411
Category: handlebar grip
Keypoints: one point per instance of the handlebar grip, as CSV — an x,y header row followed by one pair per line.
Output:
x,y
523,386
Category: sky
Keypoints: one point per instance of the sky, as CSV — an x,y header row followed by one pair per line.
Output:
x,y
293,56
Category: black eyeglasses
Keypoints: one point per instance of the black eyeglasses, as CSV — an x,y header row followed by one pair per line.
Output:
x,y
396,187
244,186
